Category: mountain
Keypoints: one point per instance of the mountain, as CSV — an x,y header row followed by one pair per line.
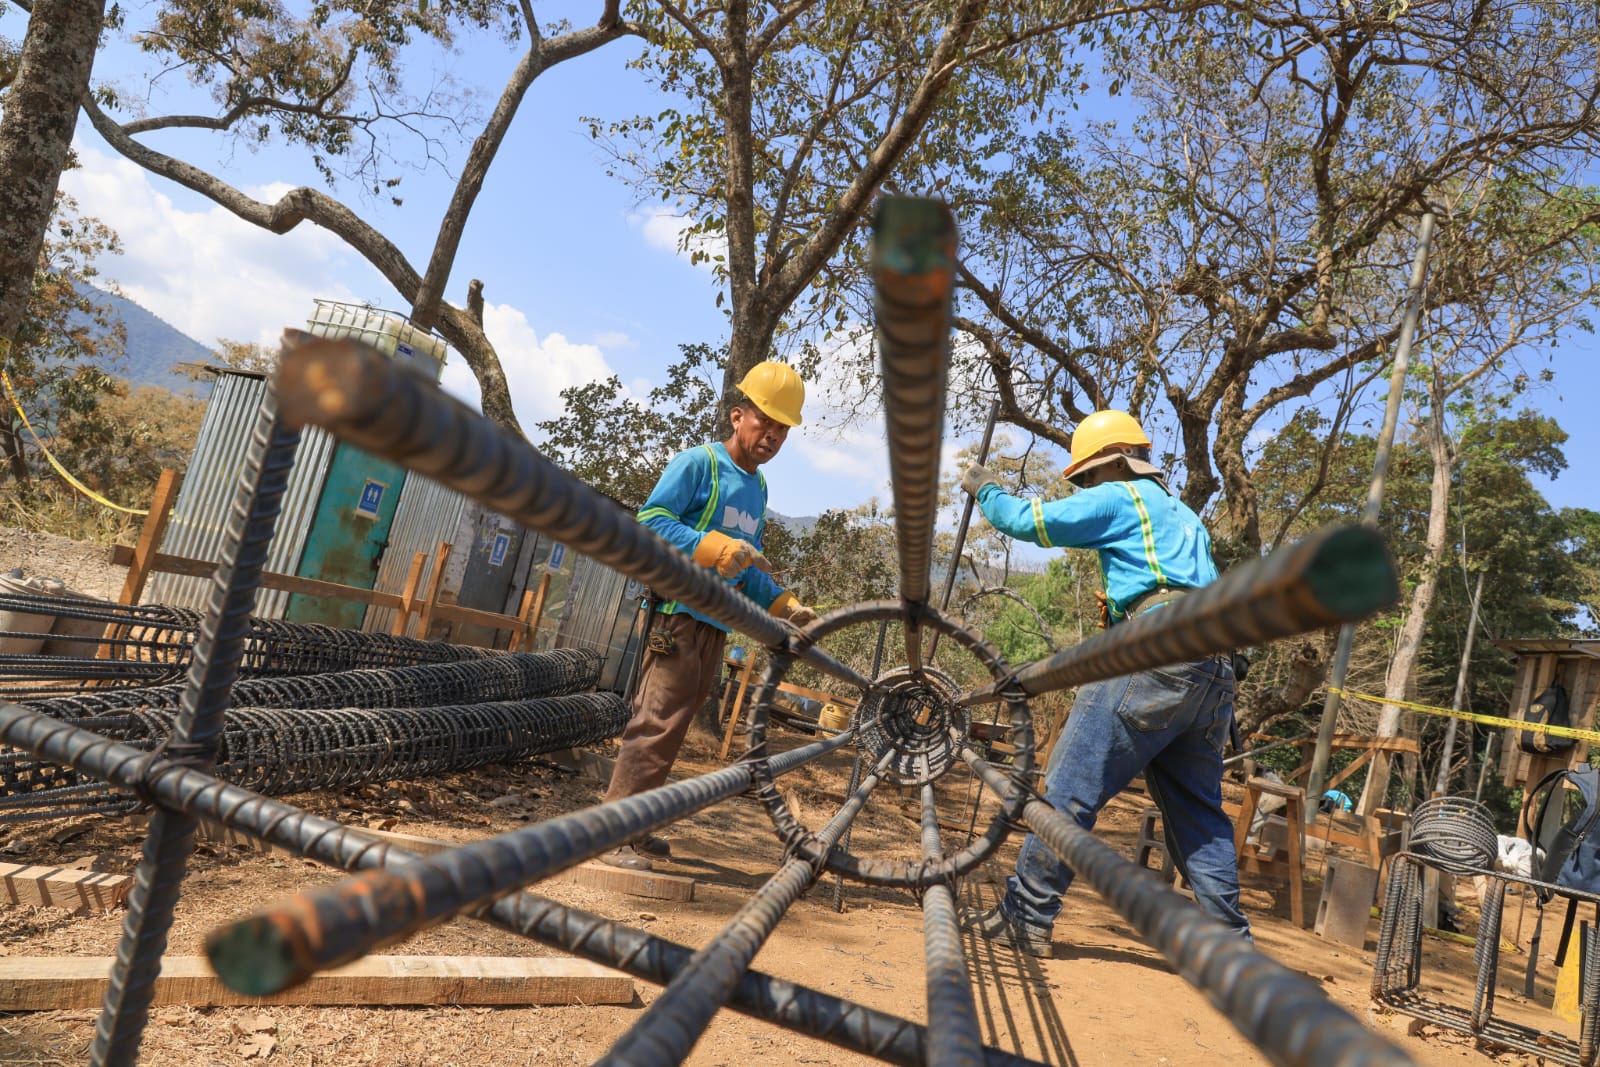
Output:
x,y
798,526
154,347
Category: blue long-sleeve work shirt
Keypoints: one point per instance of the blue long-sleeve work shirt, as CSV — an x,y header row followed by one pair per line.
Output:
x,y
1146,537
704,489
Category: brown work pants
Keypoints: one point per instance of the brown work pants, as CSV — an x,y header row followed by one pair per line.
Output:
x,y
671,689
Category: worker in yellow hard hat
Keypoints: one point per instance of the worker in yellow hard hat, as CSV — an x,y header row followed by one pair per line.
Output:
x,y
1171,724
711,502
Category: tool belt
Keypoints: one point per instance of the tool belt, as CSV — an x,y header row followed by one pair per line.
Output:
x,y
1161,594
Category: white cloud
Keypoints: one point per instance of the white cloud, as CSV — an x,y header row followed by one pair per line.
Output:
x,y
664,228
614,339
205,271
537,368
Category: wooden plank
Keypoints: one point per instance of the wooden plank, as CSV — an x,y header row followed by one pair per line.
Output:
x,y
477,617
738,702
62,887
652,884
441,556
200,568
817,694
143,556
45,983
408,594
536,616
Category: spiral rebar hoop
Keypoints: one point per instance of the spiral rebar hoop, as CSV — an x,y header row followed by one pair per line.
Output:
x,y
154,644
432,706
370,402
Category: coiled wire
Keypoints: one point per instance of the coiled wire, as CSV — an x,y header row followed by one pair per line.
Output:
x,y
1456,833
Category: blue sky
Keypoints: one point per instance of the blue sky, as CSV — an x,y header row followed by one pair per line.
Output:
x,y
581,280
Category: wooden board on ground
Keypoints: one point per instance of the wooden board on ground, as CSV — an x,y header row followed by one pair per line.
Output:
x,y
47,983
652,884
62,887
589,764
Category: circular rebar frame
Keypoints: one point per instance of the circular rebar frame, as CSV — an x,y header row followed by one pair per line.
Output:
x,y
372,403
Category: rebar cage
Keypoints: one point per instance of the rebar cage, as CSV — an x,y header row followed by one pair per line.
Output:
x,y
911,726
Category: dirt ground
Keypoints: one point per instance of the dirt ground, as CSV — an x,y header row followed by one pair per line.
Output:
x,y
1104,997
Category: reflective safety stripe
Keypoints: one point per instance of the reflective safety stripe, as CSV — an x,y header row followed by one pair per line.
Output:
x,y
1038,524
1147,531
711,503
655,513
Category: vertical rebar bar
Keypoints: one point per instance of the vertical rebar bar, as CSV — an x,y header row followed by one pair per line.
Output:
x,y
961,529
954,1039
913,268
170,839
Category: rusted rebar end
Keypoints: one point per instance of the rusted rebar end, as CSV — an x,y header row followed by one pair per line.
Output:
x,y
257,957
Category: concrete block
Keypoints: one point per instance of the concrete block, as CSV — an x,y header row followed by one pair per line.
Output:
x,y
1347,896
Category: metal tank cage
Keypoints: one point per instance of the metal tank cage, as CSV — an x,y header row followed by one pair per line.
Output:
x,y
368,401
1397,967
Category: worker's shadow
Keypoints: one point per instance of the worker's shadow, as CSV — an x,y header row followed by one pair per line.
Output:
x,y
1016,1008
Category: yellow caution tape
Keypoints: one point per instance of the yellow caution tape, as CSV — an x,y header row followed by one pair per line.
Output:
x,y
1471,716
66,475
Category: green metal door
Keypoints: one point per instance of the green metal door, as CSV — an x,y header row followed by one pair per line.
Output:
x,y
348,535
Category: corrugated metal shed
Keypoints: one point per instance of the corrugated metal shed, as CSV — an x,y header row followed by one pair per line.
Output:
x,y
428,513
200,514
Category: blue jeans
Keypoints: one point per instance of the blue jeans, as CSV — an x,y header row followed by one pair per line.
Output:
x,y
1171,724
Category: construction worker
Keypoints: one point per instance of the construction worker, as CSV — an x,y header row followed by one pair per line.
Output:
x,y
711,502
1170,723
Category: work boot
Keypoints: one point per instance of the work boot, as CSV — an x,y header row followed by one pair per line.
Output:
x,y
996,925
628,857
651,845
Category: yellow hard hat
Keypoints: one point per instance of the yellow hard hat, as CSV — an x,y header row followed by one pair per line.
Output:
x,y
1100,431
777,390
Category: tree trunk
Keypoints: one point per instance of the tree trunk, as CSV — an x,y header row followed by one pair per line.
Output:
x,y
35,135
1403,668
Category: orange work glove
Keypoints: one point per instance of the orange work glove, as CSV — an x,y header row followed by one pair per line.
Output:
x,y
729,555
1105,609
790,610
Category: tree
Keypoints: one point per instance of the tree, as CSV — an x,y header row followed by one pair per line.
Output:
x,y
1237,246
334,83
619,444
795,115
66,345
41,86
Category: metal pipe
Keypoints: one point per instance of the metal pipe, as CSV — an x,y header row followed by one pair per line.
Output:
x,y
954,1037
159,877
961,527
913,270
1369,514
652,959
382,407
1337,574
1280,1011
670,1027
283,946
1238,757
1443,785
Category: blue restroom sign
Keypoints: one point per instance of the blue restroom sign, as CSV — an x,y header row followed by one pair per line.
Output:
x,y
497,554
557,554
371,499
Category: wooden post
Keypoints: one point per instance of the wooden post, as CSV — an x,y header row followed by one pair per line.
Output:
x,y
155,525
738,701
441,556
524,608
534,614
408,595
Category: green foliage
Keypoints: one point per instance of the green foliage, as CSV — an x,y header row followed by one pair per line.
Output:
x,y
325,77
67,348
619,444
